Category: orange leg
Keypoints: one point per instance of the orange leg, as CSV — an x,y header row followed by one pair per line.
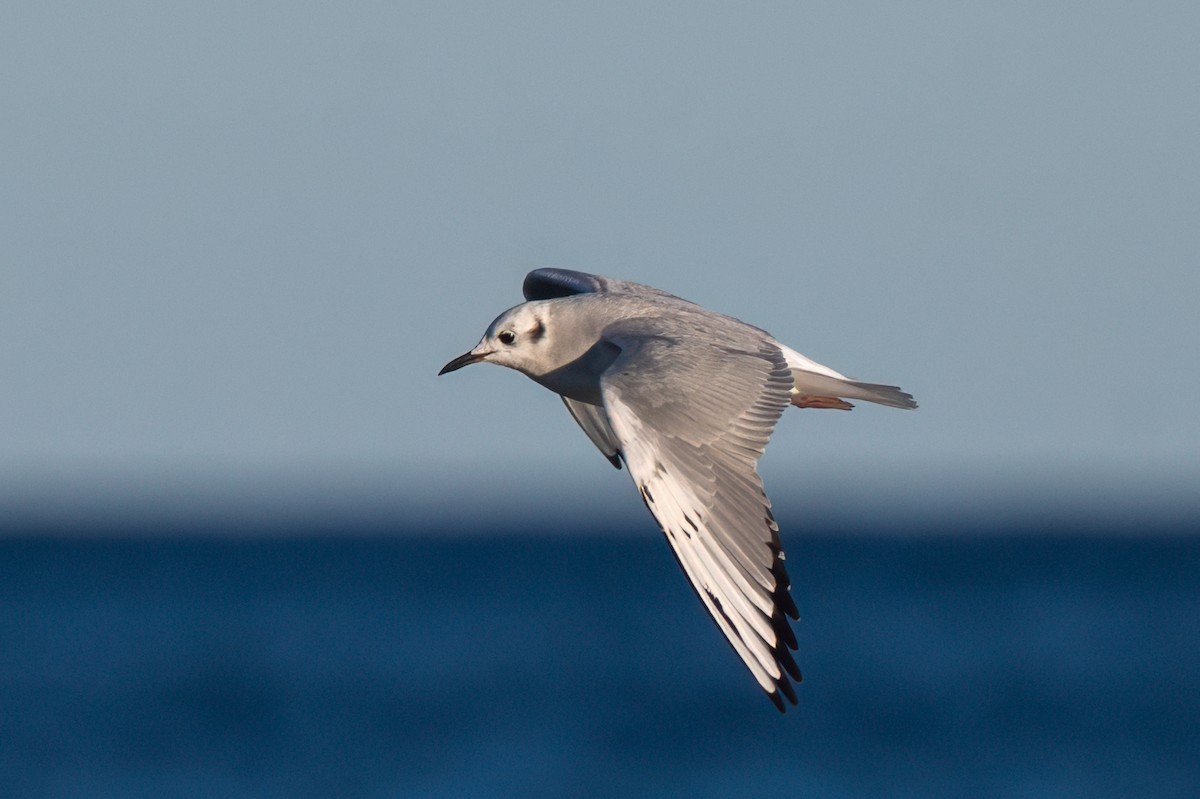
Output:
x,y
809,401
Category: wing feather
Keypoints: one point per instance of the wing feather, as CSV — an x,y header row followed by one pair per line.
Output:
x,y
594,422
691,421
550,283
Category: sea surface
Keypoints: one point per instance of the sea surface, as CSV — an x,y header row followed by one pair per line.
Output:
x,y
525,664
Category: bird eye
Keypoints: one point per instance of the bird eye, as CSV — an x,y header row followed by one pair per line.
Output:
x,y
507,337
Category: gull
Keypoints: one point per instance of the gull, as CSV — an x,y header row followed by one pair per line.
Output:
x,y
686,398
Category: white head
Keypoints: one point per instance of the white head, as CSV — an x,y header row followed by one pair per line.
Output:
x,y
518,338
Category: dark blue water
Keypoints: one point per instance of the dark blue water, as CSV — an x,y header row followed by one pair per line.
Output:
x,y
540,666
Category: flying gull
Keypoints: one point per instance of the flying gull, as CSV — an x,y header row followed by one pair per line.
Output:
x,y
687,399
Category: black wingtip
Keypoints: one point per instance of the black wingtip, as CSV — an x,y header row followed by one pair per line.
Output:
x,y
788,690
785,637
785,693
784,656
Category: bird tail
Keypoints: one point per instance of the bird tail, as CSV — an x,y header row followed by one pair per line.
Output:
x,y
818,386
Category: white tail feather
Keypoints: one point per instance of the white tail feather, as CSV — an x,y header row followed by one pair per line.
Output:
x,y
813,379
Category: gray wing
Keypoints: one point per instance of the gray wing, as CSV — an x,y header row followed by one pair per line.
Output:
x,y
551,283
594,422
692,420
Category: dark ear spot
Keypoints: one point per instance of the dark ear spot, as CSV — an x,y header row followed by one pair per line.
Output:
x,y
539,329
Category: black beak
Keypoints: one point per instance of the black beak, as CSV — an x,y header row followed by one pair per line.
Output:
x,y
466,359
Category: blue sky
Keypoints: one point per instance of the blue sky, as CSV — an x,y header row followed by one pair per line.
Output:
x,y
240,239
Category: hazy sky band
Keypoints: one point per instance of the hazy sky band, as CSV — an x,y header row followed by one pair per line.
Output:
x,y
242,240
